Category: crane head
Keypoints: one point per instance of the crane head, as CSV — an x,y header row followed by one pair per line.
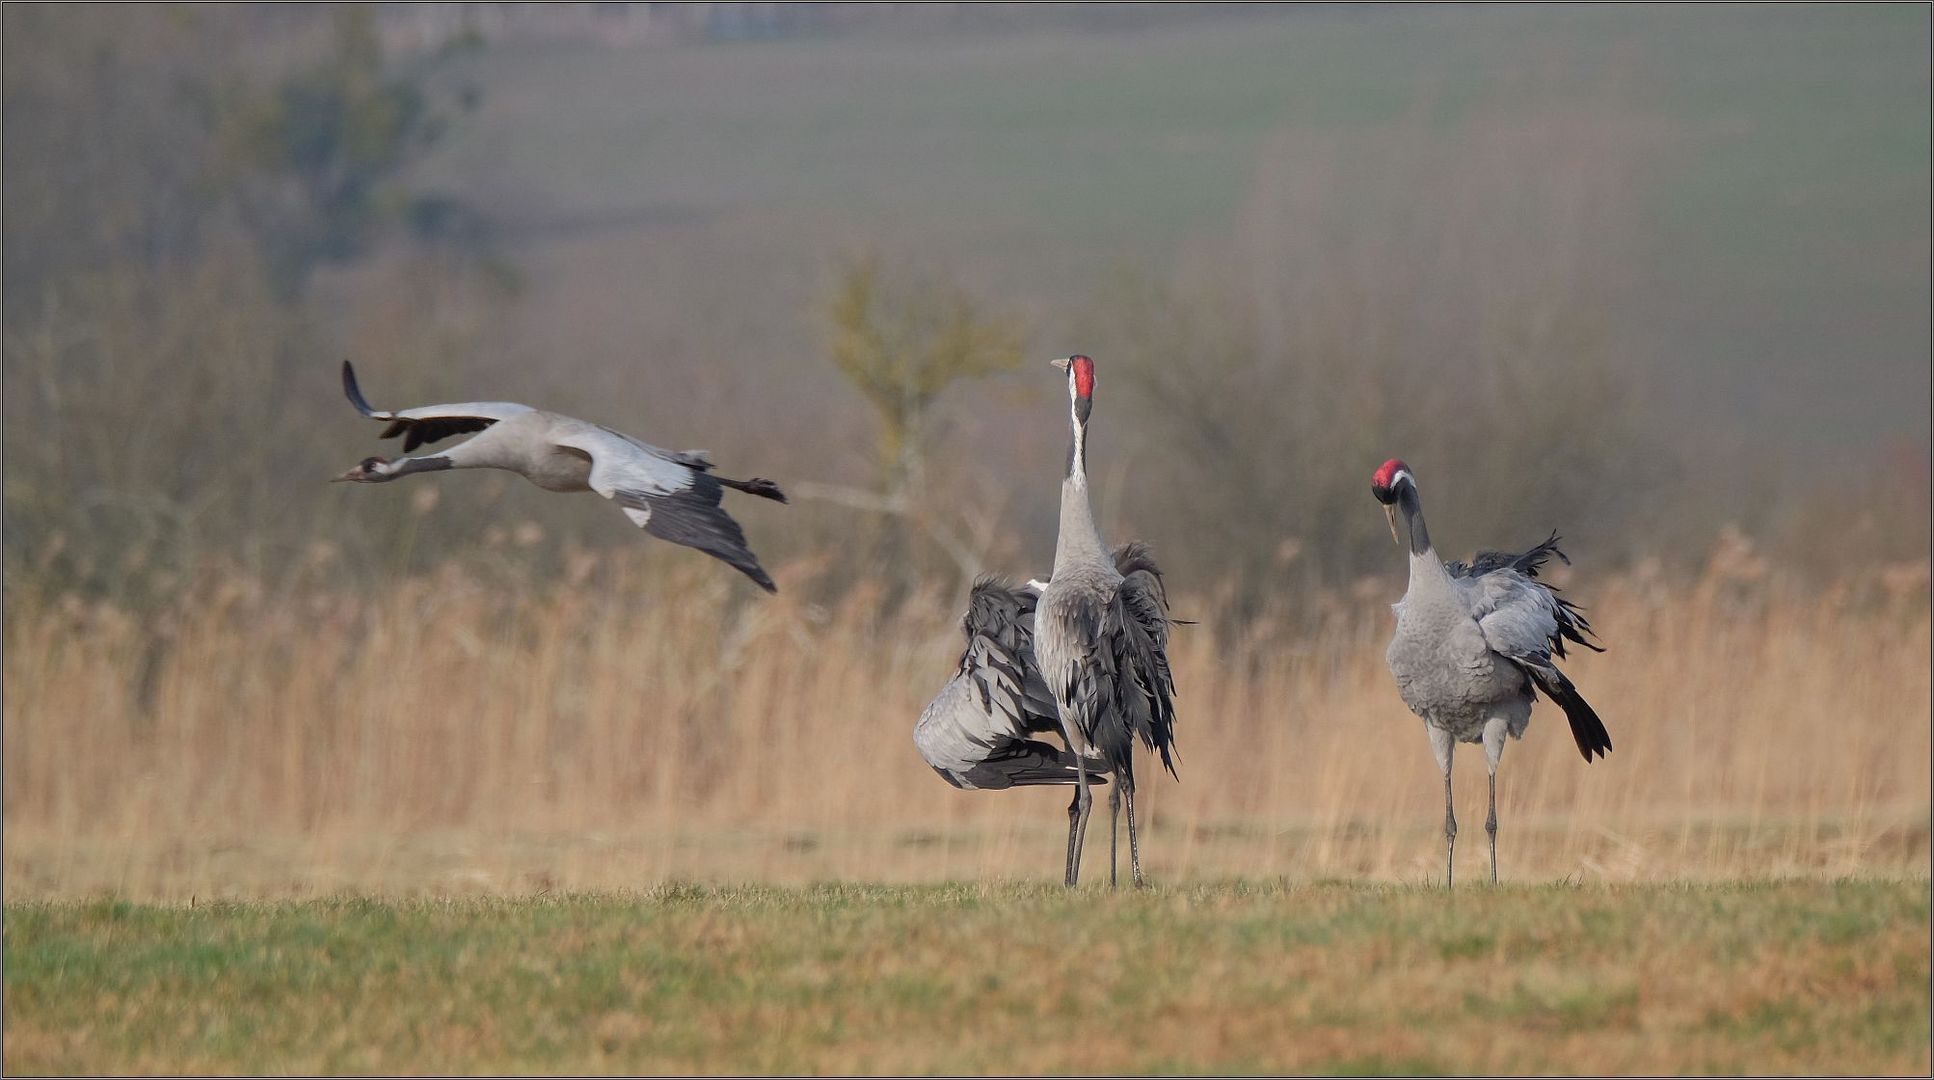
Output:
x,y
1081,383
1386,485
368,471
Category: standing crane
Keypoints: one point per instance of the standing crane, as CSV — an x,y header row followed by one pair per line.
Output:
x,y
1102,641
1473,640
671,494
979,732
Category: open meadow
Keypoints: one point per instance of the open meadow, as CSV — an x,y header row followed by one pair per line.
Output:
x,y
1799,977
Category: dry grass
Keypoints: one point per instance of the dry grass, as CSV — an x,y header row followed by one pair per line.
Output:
x,y
612,731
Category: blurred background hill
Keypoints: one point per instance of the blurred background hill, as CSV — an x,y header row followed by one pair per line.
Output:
x,y
1634,273
1655,277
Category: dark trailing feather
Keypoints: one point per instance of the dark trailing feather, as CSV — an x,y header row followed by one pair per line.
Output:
x,y
1526,562
1030,762
691,516
1587,730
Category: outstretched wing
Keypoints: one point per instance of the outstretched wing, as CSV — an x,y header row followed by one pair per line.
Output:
x,y
999,658
975,731
666,497
428,423
954,738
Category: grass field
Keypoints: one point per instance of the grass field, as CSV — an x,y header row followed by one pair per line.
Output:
x,y
1776,977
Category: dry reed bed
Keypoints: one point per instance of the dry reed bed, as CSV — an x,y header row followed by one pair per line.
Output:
x,y
615,730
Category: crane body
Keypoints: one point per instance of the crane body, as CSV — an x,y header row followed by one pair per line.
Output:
x,y
672,494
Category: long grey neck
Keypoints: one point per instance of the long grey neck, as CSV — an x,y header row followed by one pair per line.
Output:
x,y
1424,563
427,463
1079,542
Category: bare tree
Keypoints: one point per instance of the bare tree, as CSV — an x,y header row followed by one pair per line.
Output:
x,y
902,344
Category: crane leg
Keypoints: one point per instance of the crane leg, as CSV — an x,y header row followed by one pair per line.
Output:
x,y
1494,731
1074,820
1134,838
1114,833
1442,743
1078,822
1491,828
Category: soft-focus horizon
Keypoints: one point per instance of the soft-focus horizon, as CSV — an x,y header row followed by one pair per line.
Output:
x,y
1640,275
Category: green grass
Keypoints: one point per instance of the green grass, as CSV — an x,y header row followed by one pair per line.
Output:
x,y
987,978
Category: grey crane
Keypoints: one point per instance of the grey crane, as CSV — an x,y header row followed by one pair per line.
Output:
x,y
1473,641
671,494
1102,641
978,732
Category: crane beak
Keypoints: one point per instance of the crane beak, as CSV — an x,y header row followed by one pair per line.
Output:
x,y
1061,364
1390,513
353,474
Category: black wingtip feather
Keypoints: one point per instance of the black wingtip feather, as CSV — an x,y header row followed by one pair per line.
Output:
x,y
353,392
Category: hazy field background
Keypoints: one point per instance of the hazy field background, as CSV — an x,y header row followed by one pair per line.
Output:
x,y
1657,278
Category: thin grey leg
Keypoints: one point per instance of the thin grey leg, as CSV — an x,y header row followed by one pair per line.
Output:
x,y
1114,832
1443,745
1491,827
1495,729
1134,839
1084,805
1074,818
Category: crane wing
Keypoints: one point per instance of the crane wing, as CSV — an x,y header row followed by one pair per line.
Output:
x,y
667,497
1526,562
1519,616
975,732
1148,686
970,749
428,423
999,659
1524,621
1118,686
1572,624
